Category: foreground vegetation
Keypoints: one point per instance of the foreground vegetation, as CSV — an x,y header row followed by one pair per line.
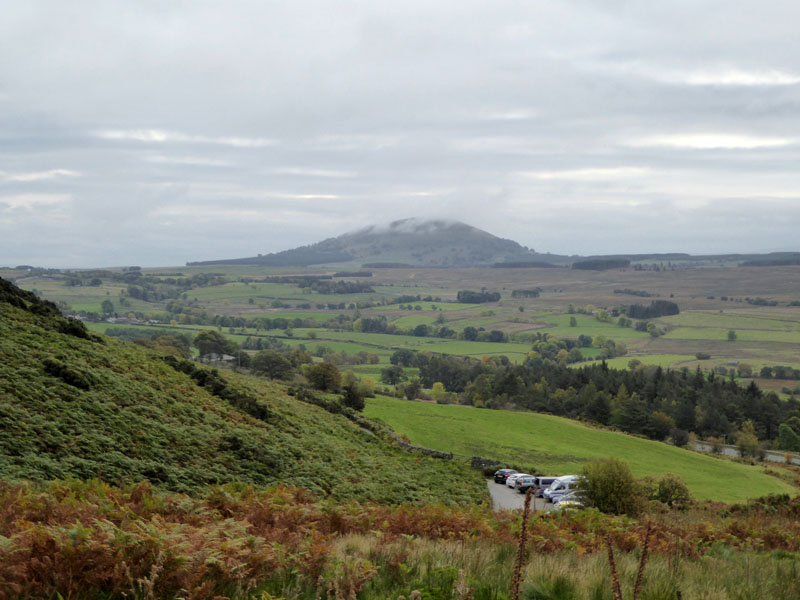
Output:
x,y
90,540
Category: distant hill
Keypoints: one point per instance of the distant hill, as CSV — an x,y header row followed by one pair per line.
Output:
x,y
441,243
409,242
77,405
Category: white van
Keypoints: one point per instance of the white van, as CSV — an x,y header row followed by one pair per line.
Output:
x,y
561,486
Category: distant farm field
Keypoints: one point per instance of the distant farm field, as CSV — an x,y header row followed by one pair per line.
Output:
x,y
659,360
736,320
765,335
743,335
554,445
447,306
559,325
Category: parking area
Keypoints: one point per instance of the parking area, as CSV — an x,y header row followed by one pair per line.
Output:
x,y
504,498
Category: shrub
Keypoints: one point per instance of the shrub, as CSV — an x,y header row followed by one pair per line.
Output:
x,y
746,440
610,486
272,364
671,490
680,437
353,398
324,376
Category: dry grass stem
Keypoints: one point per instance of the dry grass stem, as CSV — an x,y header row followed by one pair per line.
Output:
x,y
615,589
637,588
523,540
462,590
148,584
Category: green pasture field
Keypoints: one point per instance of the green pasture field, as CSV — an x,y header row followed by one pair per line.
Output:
x,y
558,325
735,320
557,446
443,346
240,293
590,352
477,349
382,340
445,306
374,371
742,335
143,329
662,360
374,342
163,328
488,323
317,316
96,305
402,290
370,370
411,321
88,298
343,347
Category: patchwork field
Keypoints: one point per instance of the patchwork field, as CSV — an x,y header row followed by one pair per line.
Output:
x,y
765,335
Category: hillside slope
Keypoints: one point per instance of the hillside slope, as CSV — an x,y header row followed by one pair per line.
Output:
x,y
414,242
73,404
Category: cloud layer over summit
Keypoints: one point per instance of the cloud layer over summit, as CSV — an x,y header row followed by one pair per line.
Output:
x,y
154,133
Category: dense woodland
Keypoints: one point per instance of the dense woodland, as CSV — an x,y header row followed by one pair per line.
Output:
x,y
649,401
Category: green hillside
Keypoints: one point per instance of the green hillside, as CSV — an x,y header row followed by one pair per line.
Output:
x,y
77,405
556,446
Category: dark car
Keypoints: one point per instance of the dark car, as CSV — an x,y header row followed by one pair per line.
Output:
x,y
501,475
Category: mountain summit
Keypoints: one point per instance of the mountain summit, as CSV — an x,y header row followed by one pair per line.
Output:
x,y
412,242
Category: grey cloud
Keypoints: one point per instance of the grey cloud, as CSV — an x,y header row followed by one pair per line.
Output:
x,y
205,130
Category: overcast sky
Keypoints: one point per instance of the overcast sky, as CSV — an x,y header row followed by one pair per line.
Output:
x,y
154,132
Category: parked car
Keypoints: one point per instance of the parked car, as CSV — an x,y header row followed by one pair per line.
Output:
x,y
575,499
511,480
541,483
560,486
522,484
501,475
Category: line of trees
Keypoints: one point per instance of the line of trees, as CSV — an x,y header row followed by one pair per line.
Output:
x,y
601,264
472,297
644,400
657,308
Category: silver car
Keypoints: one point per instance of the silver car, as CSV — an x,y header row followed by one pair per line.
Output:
x,y
512,479
560,486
